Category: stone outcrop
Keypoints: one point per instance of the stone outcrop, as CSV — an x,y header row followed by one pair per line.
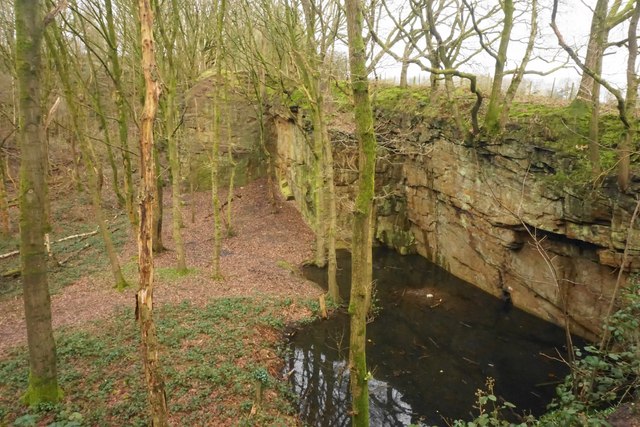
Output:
x,y
495,214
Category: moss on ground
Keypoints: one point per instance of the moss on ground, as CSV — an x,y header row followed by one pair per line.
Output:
x,y
209,356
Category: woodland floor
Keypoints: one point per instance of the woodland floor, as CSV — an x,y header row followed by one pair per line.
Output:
x,y
260,263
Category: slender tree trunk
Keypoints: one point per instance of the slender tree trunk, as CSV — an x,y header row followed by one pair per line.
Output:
x,y
594,134
215,190
76,163
405,65
232,165
334,290
215,151
97,101
144,296
453,104
4,204
174,161
319,188
43,382
595,50
361,269
123,112
158,245
626,144
492,119
89,157
519,74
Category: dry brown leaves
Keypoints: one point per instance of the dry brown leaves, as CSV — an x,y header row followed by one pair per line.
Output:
x,y
253,263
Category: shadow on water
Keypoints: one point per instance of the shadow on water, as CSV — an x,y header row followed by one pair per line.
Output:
x,y
434,342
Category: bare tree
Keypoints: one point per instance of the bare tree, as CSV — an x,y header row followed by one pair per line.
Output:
x,y
144,296
43,381
361,257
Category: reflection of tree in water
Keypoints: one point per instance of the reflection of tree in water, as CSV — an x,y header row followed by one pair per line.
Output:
x,y
432,346
322,382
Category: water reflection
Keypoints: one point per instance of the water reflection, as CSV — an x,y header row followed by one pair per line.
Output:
x,y
323,384
434,343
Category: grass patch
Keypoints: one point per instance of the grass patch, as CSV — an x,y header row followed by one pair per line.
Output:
x,y
210,356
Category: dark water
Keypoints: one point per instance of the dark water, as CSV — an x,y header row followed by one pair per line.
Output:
x,y
434,342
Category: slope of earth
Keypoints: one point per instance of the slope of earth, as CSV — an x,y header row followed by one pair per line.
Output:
x,y
217,336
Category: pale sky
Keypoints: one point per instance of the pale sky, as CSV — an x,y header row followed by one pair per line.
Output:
x,y
574,20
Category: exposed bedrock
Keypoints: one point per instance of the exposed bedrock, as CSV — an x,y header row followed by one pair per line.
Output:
x,y
492,213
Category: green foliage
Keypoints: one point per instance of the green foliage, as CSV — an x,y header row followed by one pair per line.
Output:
x,y
602,376
393,98
171,274
491,410
212,359
565,130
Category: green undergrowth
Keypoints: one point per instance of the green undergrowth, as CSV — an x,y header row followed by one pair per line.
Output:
x,y
557,126
565,130
167,275
210,355
79,257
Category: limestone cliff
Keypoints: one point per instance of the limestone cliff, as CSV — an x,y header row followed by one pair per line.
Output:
x,y
492,213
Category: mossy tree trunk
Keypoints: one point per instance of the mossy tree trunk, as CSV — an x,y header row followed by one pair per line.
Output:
x,y
518,75
43,382
144,296
91,162
492,118
216,271
626,145
314,77
215,148
332,218
319,191
174,162
158,245
361,269
4,203
232,165
123,113
595,50
623,108
172,70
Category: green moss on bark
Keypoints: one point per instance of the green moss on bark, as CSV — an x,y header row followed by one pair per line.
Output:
x,y
41,390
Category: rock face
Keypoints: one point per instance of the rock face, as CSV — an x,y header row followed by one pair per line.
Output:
x,y
491,213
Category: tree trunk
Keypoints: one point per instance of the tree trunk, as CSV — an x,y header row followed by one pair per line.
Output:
x,y
492,119
43,383
232,166
332,215
516,79
102,116
144,296
158,245
123,122
626,144
319,184
594,133
89,157
215,189
215,149
595,50
4,204
361,274
174,161
405,65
